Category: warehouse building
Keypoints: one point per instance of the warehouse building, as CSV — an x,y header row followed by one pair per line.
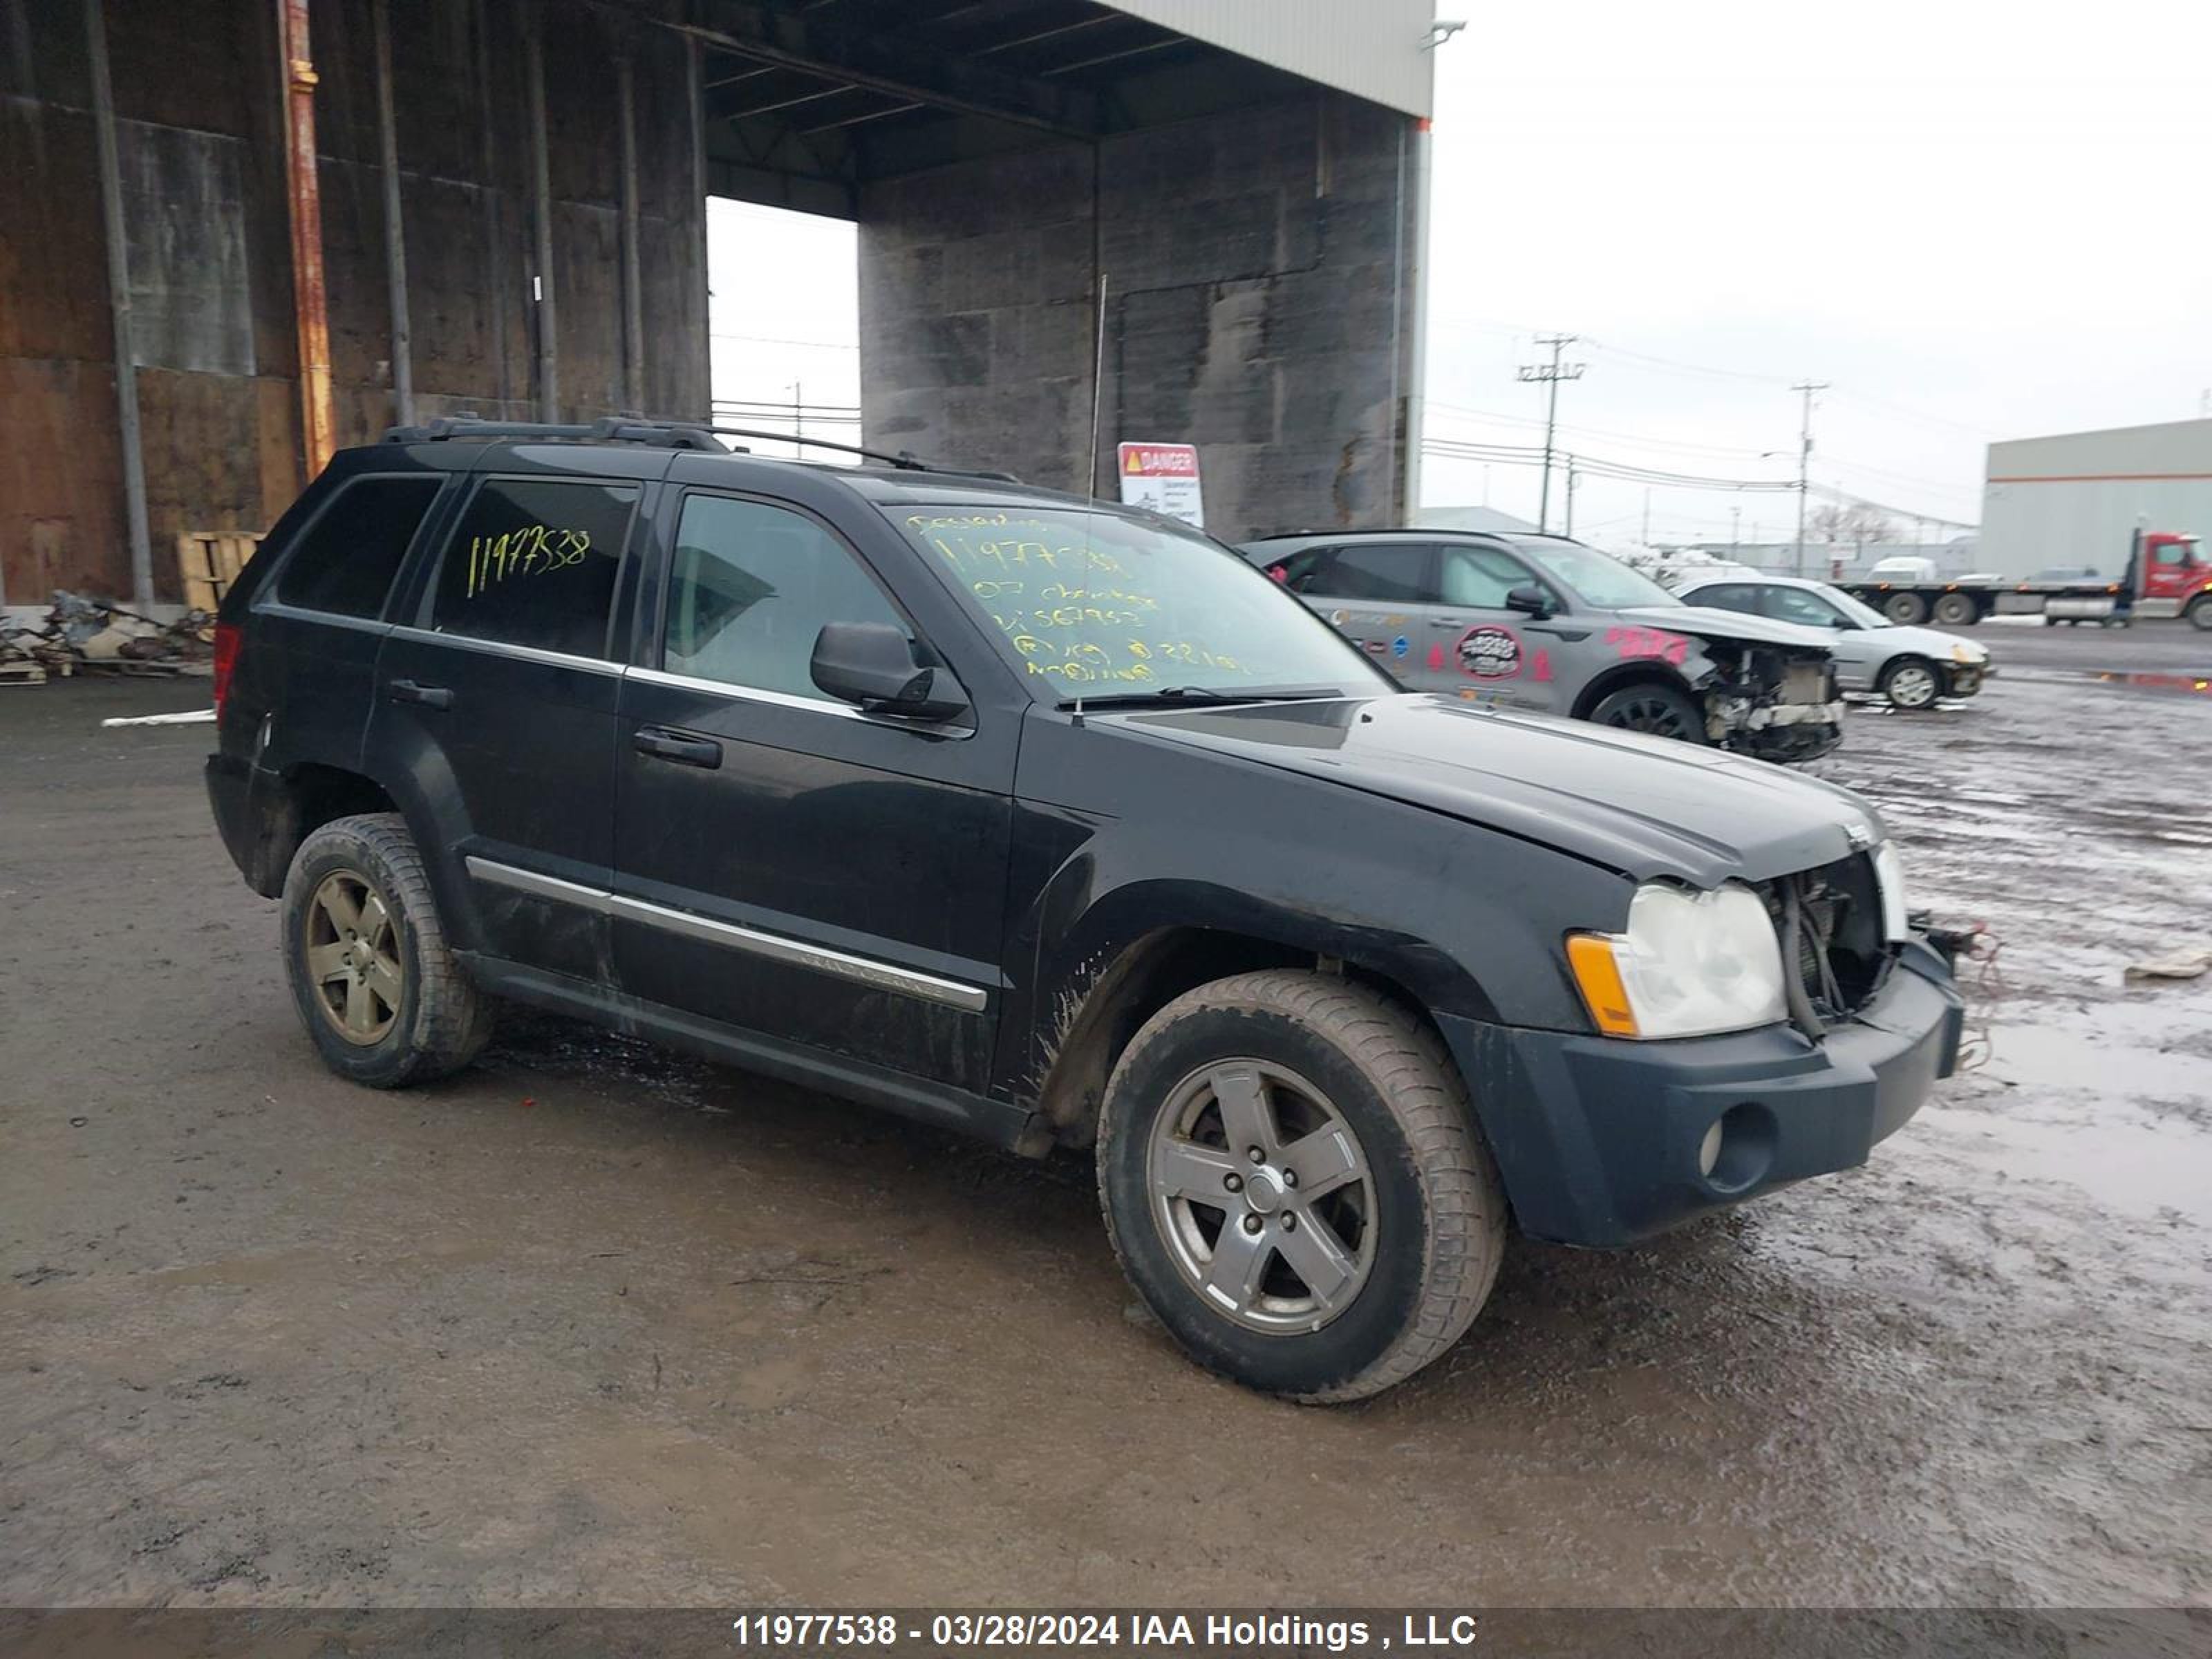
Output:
x,y
235,234
2074,502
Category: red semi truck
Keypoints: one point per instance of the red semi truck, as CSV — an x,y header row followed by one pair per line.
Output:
x,y
2166,575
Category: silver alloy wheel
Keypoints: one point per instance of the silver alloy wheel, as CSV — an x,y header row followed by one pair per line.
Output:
x,y
1913,686
352,954
1263,1196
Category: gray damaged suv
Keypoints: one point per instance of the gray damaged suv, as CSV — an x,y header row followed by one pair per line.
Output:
x,y
1546,624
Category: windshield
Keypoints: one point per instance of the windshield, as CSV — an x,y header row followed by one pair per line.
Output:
x,y
1096,605
1864,614
1596,578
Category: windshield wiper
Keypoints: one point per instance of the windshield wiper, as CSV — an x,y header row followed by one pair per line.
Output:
x,y
1189,694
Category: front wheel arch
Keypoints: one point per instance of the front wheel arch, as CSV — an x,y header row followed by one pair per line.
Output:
x,y
1621,677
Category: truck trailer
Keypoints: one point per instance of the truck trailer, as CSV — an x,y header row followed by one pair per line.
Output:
x,y
2167,575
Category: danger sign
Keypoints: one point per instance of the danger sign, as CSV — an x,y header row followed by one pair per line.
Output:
x,y
1165,479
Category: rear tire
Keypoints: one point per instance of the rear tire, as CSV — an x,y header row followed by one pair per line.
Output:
x,y
1956,611
1660,710
1912,684
1326,1285
381,996
1905,610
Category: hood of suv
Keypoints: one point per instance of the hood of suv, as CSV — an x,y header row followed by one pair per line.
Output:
x,y
1644,806
1709,623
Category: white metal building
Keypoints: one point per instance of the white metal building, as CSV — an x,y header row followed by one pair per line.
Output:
x,y
2076,499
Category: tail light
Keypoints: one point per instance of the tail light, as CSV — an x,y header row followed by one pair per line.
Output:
x,y
227,641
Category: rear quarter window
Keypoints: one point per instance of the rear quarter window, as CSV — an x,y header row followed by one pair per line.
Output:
x,y
532,562
344,562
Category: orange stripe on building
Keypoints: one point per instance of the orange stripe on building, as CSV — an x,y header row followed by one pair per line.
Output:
x,y
2102,477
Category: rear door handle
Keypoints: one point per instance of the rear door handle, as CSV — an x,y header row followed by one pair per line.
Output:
x,y
430,696
684,750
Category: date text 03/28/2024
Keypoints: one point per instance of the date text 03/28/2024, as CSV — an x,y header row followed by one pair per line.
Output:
x,y
1415,1632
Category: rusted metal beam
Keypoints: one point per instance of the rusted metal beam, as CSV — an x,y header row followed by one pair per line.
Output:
x,y
395,236
310,300
118,305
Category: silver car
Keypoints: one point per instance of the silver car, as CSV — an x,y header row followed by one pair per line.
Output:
x,y
1910,667
1545,623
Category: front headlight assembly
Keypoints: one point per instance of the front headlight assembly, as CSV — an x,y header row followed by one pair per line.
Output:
x,y
1690,964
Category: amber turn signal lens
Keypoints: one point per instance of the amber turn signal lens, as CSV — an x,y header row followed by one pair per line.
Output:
x,y
1597,975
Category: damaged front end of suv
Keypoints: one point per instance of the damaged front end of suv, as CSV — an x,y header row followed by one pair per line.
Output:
x,y
1779,702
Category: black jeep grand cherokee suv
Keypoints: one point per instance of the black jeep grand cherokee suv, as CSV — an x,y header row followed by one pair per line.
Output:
x,y
1065,826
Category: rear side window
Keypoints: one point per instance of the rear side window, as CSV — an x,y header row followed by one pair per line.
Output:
x,y
346,560
532,562
1386,573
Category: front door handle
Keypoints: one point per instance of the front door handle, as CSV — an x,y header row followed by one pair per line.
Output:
x,y
430,696
668,746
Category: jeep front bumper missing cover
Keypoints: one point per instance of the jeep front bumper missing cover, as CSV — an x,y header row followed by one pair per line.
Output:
x,y
1605,1141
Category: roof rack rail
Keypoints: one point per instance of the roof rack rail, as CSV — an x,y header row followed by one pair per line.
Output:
x,y
667,434
671,434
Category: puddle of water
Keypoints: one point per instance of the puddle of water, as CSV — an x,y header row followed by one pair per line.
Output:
x,y
2125,1152
2126,1165
2032,1055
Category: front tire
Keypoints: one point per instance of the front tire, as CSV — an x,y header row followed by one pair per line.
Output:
x,y
1660,710
379,992
1363,1238
1912,683
2200,612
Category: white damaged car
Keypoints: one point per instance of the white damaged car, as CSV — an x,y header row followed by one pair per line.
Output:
x,y
1910,667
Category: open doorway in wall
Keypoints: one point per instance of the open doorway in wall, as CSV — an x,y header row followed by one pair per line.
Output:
x,y
783,324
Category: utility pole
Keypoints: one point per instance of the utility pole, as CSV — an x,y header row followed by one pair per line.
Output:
x,y
1551,373
1574,482
1647,515
1735,526
1804,466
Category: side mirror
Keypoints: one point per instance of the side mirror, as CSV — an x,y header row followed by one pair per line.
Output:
x,y
1531,598
1842,624
872,664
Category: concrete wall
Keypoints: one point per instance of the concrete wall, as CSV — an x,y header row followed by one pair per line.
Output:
x,y
200,145
1251,264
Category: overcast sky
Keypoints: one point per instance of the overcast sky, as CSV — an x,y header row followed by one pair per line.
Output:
x,y
1977,221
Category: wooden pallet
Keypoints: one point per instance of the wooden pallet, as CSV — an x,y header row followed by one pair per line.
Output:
x,y
21,673
209,560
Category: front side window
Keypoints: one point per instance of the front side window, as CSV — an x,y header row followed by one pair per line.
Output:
x,y
751,588
1092,603
534,563
1481,577
1728,596
1795,604
345,563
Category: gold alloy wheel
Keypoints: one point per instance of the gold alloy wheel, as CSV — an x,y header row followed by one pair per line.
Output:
x,y
352,953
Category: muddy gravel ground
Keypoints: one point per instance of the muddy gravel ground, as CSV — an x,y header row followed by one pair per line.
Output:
x,y
591,1324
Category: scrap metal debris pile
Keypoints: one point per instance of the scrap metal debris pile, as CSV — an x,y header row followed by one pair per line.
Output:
x,y
81,635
